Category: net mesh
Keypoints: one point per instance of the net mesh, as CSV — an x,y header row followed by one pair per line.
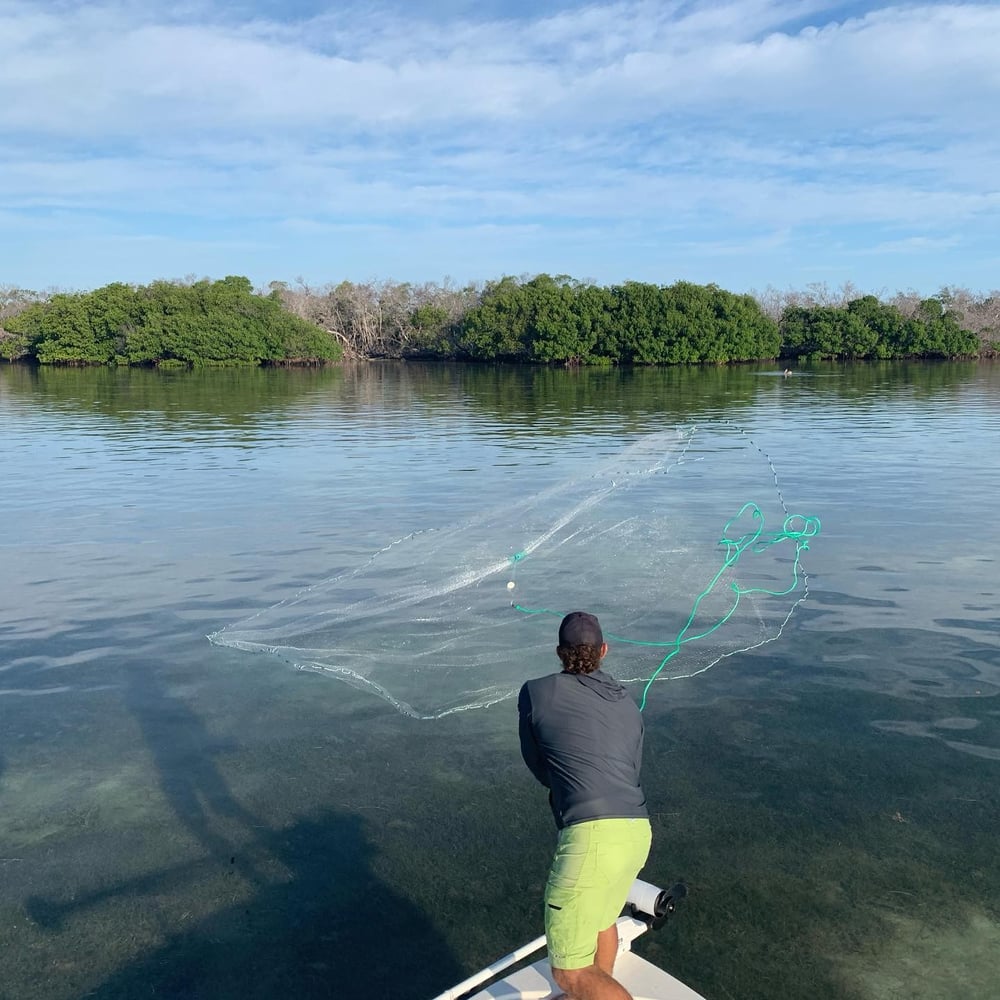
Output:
x,y
660,542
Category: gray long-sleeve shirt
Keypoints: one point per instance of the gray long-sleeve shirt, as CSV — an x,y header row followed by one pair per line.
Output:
x,y
581,736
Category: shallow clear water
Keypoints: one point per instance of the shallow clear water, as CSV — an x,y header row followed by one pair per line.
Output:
x,y
183,820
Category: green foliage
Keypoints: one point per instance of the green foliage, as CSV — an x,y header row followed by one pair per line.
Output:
x,y
869,329
206,323
496,329
113,313
13,346
19,331
64,334
555,331
558,320
428,317
431,330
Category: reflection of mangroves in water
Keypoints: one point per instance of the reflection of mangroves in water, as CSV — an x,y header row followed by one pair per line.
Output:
x,y
551,400
230,397
541,401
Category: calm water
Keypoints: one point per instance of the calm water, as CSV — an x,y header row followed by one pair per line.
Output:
x,y
188,821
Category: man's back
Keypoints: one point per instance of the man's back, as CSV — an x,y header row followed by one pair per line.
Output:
x,y
581,735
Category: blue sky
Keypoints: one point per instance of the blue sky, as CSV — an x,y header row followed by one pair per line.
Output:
x,y
752,143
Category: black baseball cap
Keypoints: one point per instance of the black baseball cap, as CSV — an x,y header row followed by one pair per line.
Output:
x,y
579,628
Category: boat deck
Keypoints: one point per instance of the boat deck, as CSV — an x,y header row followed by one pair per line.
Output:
x,y
642,979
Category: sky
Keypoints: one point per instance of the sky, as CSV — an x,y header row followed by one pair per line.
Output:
x,y
753,144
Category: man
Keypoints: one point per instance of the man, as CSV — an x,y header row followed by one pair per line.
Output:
x,y
581,736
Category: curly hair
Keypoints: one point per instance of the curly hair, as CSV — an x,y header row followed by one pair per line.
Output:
x,y
582,659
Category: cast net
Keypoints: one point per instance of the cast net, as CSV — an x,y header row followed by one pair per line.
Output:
x,y
681,544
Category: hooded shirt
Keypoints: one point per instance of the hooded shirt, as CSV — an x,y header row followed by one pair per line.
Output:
x,y
581,737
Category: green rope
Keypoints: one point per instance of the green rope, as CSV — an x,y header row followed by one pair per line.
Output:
x,y
755,540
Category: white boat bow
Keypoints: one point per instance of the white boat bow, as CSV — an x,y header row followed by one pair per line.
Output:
x,y
648,907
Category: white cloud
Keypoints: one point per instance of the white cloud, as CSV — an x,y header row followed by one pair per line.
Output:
x,y
68,74
916,244
657,117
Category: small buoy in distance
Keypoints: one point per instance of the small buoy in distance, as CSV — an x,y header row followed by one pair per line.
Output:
x,y
510,584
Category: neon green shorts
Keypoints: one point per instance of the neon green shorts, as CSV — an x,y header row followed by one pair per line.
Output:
x,y
593,869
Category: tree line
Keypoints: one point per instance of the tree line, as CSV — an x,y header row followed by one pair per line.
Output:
x,y
547,319
541,320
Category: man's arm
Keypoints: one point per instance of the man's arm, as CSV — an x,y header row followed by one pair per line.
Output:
x,y
529,747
